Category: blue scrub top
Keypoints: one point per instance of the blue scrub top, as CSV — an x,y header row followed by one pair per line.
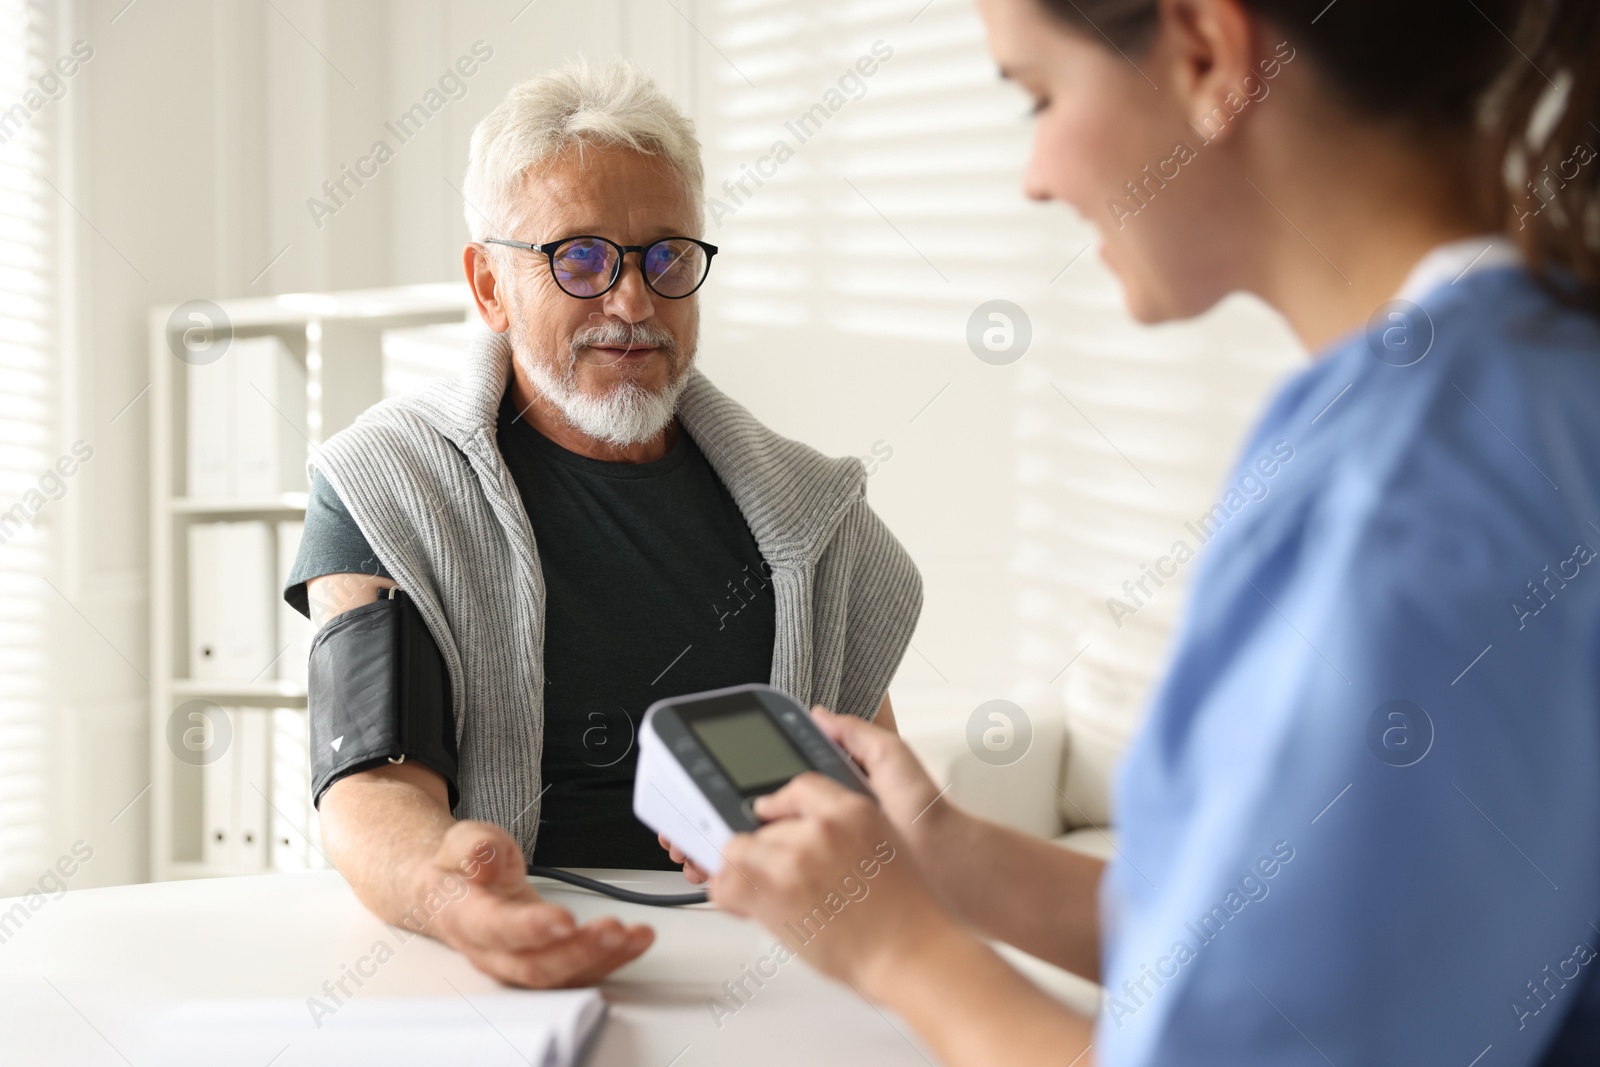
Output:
x,y
1361,822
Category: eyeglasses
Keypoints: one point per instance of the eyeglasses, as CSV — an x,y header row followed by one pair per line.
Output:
x,y
587,266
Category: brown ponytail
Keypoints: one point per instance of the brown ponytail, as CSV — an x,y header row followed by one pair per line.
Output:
x,y
1444,67
1553,156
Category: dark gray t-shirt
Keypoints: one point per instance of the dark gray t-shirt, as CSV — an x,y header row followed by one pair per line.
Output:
x,y
654,588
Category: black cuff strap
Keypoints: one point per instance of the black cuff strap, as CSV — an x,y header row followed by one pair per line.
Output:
x,y
379,692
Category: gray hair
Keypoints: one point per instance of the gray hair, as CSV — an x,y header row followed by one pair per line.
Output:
x,y
614,105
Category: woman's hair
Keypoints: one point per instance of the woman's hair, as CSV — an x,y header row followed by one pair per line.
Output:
x,y
1523,75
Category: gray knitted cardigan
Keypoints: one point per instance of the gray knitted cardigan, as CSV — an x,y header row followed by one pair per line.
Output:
x,y
423,478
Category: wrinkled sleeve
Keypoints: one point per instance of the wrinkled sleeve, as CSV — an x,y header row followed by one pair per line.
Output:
x,y
1392,854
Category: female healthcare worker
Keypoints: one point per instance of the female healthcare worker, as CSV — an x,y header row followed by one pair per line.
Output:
x,y
1361,822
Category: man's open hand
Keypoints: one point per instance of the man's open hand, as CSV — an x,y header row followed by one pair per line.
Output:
x,y
475,897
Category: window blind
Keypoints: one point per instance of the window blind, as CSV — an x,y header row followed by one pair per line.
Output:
x,y
27,373
858,243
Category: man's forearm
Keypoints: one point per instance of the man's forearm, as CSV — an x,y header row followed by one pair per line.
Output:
x,y
382,828
1015,888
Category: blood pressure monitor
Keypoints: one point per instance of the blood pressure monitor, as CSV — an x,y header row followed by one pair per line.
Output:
x,y
704,758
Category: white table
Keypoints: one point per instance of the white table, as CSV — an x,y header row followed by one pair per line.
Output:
x,y
283,935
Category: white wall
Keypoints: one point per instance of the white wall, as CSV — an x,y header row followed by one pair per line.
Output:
x,y
200,131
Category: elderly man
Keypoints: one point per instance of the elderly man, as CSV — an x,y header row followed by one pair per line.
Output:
x,y
582,524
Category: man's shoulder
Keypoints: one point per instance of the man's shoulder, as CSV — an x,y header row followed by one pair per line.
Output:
x,y
401,444
712,415
732,435
419,418
792,495
450,410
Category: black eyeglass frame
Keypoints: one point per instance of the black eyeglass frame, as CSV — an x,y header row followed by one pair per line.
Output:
x,y
548,250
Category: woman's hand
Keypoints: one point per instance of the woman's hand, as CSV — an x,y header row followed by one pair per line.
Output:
x,y
904,789
909,797
829,875
694,874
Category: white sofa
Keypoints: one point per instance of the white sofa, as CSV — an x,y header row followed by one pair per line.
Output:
x,y
1058,789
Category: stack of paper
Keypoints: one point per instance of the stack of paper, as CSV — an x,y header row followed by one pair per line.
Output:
x,y
544,1028
296,837
247,422
294,629
232,610
236,787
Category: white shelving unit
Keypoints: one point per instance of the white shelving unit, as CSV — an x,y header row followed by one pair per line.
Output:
x,y
338,336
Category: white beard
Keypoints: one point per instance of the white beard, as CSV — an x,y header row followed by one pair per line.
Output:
x,y
628,414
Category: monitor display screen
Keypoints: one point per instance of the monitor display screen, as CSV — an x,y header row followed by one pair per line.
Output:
x,y
750,747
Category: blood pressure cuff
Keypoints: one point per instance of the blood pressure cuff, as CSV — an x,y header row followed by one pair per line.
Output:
x,y
379,692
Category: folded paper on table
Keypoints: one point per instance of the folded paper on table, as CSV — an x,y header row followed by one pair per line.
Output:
x,y
549,1028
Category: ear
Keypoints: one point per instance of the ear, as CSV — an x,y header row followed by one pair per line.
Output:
x,y
480,268
1212,46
